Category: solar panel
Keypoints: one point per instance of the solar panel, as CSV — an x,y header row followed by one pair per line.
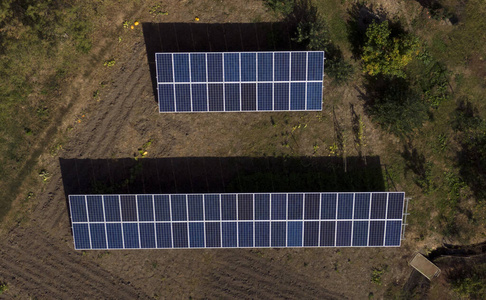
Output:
x,y
236,220
240,81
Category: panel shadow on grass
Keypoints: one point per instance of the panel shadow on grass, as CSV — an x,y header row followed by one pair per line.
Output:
x,y
217,37
221,175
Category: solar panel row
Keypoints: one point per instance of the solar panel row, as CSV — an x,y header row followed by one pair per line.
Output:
x,y
247,81
236,220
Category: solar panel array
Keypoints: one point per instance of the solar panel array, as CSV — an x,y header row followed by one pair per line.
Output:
x,y
236,220
239,81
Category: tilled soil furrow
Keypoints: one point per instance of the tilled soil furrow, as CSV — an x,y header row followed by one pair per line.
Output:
x,y
30,278
236,272
121,109
86,272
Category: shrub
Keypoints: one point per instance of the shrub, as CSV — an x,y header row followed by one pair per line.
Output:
x,y
312,33
284,7
394,105
386,54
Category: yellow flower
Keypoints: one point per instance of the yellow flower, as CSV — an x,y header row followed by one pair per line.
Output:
x,y
131,27
196,18
136,23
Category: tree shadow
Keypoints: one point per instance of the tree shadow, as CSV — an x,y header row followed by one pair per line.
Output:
x,y
471,158
438,11
357,128
362,15
416,162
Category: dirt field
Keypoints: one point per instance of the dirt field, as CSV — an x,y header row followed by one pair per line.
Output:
x,y
37,258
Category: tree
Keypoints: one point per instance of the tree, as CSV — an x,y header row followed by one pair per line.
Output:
x,y
386,54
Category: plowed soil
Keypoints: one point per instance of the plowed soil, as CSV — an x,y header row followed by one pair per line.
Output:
x,y
37,256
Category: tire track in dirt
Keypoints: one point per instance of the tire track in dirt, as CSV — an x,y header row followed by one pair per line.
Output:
x,y
63,271
112,116
244,275
13,269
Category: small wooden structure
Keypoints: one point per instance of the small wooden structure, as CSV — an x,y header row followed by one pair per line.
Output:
x,y
424,266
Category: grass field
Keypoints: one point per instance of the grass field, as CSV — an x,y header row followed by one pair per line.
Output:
x,y
77,113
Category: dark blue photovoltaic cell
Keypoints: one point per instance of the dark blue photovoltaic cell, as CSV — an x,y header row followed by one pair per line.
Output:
x,y
130,235
262,207
248,96
164,235
95,208
231,67
362,206
376,233
395,206
279,207
315,61
262,234
147,235
278,234
314,95
294,234
195,207
215,67
328,206
183,97
245,207
145,208
198,67
180,235
311,206
229,234
298,66
179,210
199,97
311,234
281,96
360,233
296,207
164,67
345,206
128,208
228,207
213,234
343,234
166,97
281,68
248,66
112,208
265,66
378,205
232,96
265,96
162,208
196,220
81,236
181,67
245,234
328,233
196,235
297,96
114,234
211,207
78,209
215,94
393,233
